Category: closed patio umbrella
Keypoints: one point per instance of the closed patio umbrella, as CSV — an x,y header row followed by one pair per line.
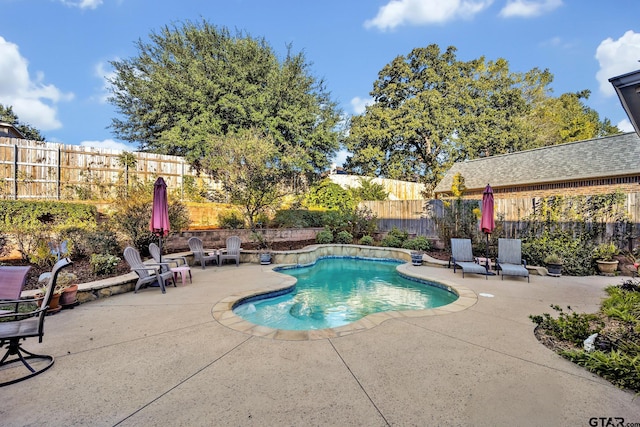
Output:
x,y
487,223
159,224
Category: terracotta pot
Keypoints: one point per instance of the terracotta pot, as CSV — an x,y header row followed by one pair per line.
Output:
x,y
607,267
54,305
69,294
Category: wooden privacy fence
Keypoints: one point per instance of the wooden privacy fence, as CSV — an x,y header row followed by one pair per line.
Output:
x,y
44,170
417,216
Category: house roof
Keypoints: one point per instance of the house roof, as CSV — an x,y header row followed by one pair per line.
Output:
x,y
609,156
627,87
7,129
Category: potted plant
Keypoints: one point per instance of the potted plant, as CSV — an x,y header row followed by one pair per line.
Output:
x,y
416,257
554,262
603,255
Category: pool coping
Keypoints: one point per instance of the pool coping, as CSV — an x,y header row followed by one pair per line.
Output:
x,y
223,310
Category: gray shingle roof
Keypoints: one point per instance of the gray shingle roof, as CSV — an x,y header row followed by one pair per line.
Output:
x,y
610,156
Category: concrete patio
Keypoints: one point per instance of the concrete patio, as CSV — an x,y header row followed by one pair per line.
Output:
x,y
153,359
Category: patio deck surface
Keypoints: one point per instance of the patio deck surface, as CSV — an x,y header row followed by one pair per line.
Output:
x,y
151,359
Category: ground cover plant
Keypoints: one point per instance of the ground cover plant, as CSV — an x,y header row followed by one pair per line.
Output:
x,y
615,352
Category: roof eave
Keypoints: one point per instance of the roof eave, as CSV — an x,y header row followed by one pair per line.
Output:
x,y
627,88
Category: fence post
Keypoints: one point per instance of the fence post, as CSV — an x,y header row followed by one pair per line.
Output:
x,y
59,174
15,171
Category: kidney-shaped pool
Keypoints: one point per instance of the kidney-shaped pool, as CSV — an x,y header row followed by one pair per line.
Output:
x,y
336,291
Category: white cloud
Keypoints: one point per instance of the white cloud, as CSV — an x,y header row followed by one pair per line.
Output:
x,y
83,4
617,57
419,12
625,126
529,8
33,101
104,72
108,143
359,104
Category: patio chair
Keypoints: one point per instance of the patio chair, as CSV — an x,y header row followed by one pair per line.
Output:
x,y
509,261
199,255
462,257
148,274
12,280
18,326
232,251
154,250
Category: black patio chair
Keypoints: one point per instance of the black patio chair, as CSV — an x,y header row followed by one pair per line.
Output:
x,y
16,326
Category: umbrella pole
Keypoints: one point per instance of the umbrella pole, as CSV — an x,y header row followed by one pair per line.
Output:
x,y
491,273
160,244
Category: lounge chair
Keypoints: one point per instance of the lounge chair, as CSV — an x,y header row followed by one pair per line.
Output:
x,y
12,280
148,274
462,257
232,252
17,326
154,250
509,261
199,255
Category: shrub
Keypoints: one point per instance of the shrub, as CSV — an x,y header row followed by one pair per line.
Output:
x,y
367,240
324,237
605,252
104,264
573,327
230,220
395,238
419,243
344,237
577,252
298,218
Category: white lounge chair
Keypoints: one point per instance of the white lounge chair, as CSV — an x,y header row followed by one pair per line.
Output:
x,y
462,257
509,261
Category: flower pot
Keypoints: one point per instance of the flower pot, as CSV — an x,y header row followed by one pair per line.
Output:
x,y
54,305
416,258
265,258
554,269
69,295
607,268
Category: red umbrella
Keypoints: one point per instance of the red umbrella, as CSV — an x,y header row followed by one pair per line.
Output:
x,y
487,223
159,224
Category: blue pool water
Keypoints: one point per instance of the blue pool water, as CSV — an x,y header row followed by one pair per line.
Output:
x,y
337,291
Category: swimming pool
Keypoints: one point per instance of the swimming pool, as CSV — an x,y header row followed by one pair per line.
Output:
x,y
338,291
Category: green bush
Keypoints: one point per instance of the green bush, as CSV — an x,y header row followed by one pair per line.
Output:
x,y
104,264
324,237
298,218
577,252
419,243
230,220
344,237
367,240
395,238
573,327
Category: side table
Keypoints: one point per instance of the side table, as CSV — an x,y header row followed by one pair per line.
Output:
x,y
183,272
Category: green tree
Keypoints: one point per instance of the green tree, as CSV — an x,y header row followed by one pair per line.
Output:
x,y
566,119
431,109
8,116
369,190
329,195
194,81
252,170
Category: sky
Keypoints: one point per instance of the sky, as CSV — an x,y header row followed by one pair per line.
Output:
x,y
55,54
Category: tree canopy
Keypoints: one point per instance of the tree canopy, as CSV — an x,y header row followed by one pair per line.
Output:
x,y
431,109
192,83
8,116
